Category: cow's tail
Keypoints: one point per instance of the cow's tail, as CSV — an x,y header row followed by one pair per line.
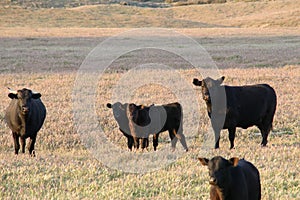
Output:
x,y
176,134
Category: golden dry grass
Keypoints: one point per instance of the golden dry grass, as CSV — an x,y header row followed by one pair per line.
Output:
x,y
64,169
266,17
231,14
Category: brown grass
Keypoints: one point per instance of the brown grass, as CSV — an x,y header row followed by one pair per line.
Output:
x,y
229,19
63,168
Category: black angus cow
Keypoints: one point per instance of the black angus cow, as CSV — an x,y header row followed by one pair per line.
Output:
x,y
156,119
120,112
240,106
25,116
141,121
232,179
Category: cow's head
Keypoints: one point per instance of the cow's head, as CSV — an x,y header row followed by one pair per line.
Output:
x,y
120,115
24,98
134,111
125,112
139,114
209,87
219,169
119,111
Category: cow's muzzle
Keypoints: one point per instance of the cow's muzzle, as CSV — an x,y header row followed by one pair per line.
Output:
x,y
25,109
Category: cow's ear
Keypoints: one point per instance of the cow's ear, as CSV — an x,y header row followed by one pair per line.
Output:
x,y
220,80
36,95
13,95
197,82
234,161
203,161
109,105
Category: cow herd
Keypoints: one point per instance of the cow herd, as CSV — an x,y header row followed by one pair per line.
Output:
x,y
228,107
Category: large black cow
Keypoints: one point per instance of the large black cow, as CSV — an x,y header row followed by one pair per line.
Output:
x,y
141,121
232,179
25,116
240,106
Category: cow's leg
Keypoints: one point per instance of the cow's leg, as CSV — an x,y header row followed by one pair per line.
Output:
x,y
181,138
265,130
16,142
155,141
23,144
264,135
174,139
129,142
31,146
136,142
231,132
145,143
217,137
264,138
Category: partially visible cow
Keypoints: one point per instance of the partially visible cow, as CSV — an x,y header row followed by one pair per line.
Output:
x,y
120,114
25,116
137,121
241,106
232,179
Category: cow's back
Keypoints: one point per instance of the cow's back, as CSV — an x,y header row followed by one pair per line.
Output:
x,y
249,105
174,115
173,111
252,178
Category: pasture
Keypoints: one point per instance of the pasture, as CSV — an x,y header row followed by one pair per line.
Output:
x,y
63,167
47,60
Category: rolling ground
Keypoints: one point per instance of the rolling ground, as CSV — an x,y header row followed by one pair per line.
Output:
x,y
253,42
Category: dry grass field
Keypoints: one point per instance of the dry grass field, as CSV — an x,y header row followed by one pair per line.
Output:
x,y
63,167
42,49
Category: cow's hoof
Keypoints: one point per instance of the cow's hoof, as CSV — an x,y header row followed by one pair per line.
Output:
x,y
32,154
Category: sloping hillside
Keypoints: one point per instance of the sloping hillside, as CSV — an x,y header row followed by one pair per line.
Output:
x,y
232,14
